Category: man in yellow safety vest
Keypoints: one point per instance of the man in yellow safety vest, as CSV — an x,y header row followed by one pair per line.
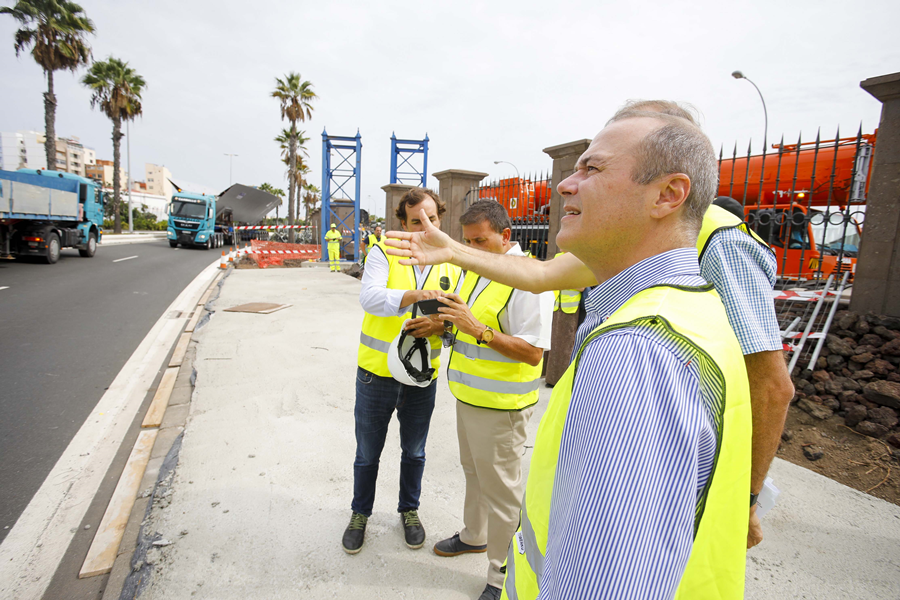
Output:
x,y
333,237
388,294
494,373
640,477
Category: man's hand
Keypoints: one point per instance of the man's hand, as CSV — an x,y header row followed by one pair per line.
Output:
x,y
422,327
457,312
755,534
429,247
412,296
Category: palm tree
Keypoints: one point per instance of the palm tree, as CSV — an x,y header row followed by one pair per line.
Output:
x,y
295,96
284,140
268,187
311,197
57,30
117,90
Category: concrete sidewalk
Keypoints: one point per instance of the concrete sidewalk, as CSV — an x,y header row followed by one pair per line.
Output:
x,y
262,490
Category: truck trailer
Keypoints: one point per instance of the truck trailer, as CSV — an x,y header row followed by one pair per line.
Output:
x,y
42,212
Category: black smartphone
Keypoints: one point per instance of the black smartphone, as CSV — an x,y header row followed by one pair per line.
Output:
x,y
429,307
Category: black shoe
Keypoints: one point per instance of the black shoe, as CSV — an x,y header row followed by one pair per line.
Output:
x,y
355,534
452,546
490,593
412,529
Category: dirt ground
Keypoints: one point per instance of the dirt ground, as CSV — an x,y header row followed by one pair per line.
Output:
x,y
855,460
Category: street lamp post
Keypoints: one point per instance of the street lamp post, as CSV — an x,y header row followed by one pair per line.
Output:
x,y
497,162
230,165
739,75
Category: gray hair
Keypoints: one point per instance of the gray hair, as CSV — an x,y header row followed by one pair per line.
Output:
x,y
487,210
679,146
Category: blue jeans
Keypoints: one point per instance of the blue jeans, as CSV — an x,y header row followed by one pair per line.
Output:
x,y
376,399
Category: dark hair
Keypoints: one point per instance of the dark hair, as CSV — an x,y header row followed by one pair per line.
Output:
x,y
487,210
416,195
731,205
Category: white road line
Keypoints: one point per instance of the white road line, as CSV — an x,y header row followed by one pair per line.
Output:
x,y
5,287
30,554
126,258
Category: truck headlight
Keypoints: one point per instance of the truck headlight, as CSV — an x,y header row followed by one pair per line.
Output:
x,y
171,233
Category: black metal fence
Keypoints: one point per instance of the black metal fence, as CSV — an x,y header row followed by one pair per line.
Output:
x,y
527,200
807,200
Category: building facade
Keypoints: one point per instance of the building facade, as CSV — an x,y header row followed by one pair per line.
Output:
x,y
157,179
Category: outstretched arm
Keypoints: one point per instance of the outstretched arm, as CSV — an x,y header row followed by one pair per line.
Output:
x,y
433,246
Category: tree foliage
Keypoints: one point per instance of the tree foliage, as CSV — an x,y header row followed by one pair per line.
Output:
x,y
116,88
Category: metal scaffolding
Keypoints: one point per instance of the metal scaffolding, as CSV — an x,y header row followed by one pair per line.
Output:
x,y
341,164
402,152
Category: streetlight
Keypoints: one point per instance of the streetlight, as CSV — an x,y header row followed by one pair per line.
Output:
x,y
497,162
739,75
230,163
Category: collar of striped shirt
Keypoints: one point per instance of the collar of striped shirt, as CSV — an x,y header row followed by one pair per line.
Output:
x,y
679,266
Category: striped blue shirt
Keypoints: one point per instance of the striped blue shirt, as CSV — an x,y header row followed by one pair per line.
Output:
x,y
743,273
636,451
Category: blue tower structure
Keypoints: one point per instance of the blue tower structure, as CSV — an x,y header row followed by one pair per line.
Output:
x,y
341,162
402,151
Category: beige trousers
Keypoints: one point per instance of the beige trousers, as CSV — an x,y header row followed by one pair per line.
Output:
x,y
491,444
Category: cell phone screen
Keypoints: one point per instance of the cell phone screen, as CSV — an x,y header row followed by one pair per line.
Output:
x,y
429,307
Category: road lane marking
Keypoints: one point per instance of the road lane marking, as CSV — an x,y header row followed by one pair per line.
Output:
x,y
127,258
31,552
5,287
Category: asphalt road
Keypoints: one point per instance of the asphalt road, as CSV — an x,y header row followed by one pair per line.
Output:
x,y
66,330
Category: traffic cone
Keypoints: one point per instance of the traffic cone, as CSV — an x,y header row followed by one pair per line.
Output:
x,y
223,264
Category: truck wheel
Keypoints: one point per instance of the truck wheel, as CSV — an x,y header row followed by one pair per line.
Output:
x,y
207,245
53,248
91,249
173,244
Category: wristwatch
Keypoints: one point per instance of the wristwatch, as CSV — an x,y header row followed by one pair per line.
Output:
x,y
753,498
487,337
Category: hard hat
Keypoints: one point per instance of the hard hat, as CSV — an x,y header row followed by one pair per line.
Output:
x,y
334,225
409,359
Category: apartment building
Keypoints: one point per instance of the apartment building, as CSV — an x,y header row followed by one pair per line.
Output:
x,y
22,150
157,178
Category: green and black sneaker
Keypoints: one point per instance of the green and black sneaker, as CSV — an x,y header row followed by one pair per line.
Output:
x,y
412,529
355,534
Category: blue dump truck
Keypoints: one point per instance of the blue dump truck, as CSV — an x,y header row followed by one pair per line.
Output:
x,y
208,221
42,212
193,221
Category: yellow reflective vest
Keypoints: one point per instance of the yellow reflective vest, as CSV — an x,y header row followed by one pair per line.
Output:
x,y
378,332
695,319
333,236
567,300
371,242
481,376
717,219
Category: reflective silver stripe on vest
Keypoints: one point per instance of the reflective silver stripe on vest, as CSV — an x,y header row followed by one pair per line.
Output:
x,y
570,304
510,583
532,553
492,385
375,344
480,352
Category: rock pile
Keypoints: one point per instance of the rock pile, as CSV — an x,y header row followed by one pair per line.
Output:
x,y
856,376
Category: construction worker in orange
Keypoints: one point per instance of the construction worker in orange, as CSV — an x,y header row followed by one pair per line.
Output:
x,y
333,237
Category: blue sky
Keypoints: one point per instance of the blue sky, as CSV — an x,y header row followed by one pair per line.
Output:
x,y
486,81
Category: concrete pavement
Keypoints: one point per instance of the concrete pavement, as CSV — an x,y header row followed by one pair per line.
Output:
x,y
261,493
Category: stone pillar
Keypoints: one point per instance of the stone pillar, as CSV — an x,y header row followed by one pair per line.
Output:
x,y
564,158
454,184
876,286
393,194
